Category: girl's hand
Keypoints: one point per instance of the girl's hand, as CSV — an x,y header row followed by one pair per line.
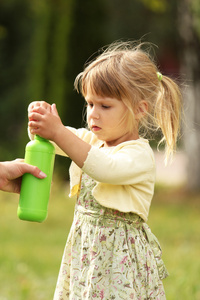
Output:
x,y
44,120
34,106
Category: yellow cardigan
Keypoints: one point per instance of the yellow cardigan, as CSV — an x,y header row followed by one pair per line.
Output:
x,y
124,174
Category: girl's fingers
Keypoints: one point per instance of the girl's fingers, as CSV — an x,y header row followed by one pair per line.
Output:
x,y
40,109
34,105
40,106
54,110
45,105
33,124
31,105
34,116
34,130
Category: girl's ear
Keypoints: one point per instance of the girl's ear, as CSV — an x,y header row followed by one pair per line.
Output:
x,y
141,110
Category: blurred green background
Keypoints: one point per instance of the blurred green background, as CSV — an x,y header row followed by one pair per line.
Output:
x,y
43,46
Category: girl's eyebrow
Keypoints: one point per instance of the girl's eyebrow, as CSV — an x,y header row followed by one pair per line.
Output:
x,y
100,99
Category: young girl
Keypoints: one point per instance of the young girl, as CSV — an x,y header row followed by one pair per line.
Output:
x,y
111,252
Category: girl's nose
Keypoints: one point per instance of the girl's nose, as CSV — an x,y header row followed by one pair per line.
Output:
x,y
94,113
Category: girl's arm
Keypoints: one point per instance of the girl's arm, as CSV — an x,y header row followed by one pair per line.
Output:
x,y
129,165
72,145
45,121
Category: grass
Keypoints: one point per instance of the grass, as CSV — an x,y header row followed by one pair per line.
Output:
x,y
30,253
174,219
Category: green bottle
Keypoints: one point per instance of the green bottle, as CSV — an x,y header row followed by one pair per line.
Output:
x,y
35,192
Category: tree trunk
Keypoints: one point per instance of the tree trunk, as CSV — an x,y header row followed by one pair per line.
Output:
x,y
190,55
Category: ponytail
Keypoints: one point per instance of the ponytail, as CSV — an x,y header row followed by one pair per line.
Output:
x,y
167,114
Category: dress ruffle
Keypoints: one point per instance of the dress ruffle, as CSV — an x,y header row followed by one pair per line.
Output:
x,y
157,251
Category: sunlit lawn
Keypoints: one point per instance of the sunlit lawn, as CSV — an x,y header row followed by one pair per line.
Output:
x,y
30,253
174,218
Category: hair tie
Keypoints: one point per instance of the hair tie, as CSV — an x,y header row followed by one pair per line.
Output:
x,y
159,75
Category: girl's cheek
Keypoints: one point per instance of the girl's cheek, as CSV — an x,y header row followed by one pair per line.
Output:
x,y
87,117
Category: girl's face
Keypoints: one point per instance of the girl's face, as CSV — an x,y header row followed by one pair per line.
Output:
x,y
105,118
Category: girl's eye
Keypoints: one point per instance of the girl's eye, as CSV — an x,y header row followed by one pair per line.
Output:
x,y
105,106
89,104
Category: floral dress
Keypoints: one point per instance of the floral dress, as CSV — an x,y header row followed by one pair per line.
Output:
x,y
109,255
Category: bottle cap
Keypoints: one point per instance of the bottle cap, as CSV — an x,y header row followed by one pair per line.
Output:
x,y
39,138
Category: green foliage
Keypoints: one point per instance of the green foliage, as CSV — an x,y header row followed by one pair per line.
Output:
x,y
39,52
88,34
195,9
156,6
14,53
31,253
49,54
38,61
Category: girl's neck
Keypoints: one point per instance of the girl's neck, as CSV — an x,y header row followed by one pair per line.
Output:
x,y
126,138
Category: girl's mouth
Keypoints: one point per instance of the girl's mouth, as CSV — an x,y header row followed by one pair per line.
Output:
x,y
95,128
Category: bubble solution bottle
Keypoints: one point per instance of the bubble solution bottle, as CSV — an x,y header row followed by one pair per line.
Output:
x,y
35,192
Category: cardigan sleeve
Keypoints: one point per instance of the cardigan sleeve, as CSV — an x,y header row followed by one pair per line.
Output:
x,y
131,164
82,133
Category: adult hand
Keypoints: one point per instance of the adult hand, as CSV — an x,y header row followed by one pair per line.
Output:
x,y
11,173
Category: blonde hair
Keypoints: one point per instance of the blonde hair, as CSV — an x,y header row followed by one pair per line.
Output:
x,y
126,72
